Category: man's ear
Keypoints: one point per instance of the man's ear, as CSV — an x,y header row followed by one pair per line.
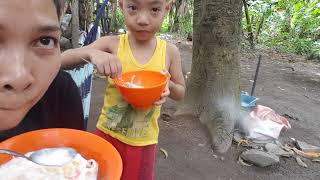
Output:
x,y
121,4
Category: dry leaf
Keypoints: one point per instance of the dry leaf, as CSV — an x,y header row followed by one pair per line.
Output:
x,y
240,160
300,162
315,160
164,152
309,155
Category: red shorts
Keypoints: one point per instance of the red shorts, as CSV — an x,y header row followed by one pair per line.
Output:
x,y
138,161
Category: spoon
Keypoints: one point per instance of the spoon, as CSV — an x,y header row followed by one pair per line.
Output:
x,y
47,157
128,84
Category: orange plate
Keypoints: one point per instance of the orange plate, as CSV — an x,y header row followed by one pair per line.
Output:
x,y
153,83
90,146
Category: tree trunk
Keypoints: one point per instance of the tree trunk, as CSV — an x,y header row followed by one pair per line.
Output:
x,y
75,23
245,5
85,13
176,15
213,89
113,19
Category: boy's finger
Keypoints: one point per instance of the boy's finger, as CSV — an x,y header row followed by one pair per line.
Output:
x,y
106,69
100,69
113,69
119,68
161,101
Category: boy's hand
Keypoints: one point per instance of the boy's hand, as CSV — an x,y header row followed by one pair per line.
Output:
x,y
107,64
164,95
166,91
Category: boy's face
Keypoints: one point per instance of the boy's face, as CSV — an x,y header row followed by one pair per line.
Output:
x,y
29,56
144,17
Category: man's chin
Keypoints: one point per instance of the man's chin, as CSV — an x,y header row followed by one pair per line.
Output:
x,y
11,118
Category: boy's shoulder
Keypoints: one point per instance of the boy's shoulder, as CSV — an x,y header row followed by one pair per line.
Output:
x,y
172,50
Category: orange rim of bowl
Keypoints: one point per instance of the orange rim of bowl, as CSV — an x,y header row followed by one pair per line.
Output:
x,y
120,170
149,87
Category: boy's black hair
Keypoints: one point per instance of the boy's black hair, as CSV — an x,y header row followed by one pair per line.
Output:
x,y
59,4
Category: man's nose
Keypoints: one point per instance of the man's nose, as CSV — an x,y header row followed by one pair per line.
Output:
x,y
143,19
15,72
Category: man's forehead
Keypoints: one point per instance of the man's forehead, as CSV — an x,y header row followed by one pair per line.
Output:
x,y
15,18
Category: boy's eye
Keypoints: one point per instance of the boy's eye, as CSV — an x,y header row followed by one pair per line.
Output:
x,y
156,9
132,8
46,42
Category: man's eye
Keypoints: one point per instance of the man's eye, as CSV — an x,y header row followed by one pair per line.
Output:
x,y
46,42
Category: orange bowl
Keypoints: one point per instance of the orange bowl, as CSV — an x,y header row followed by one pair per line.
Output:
x,y
90,146
152,82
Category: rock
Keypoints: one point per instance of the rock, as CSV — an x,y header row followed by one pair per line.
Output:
x,y
260,158
189,37
237,136
277,150
166,117
65,43
307,147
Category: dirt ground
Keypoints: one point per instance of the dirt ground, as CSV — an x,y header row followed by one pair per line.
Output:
x,y
287,83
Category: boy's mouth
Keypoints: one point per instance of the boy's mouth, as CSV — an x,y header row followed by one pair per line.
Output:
x,y
143,31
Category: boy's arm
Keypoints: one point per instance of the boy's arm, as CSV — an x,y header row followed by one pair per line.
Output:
x,y
102,53
177,83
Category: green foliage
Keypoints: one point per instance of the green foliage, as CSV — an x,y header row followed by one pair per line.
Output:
x,y
289,25
181,15
165,25
186,24
120,18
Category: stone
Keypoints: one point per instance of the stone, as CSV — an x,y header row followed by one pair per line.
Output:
x,y
237,136
65,43
260,158
307,147
277,150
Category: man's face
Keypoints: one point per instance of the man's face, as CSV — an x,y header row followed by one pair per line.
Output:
x,y
29,56
144,17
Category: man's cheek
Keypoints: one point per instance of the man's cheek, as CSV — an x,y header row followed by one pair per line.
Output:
x,y
10,119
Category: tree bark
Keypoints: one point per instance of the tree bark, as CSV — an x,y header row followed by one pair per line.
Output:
x,y
113,16
75,23
213,90
85,13
249,26
176,16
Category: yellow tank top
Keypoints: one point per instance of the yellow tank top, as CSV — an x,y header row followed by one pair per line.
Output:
x,y
118,119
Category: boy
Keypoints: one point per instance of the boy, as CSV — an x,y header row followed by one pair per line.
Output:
x,y
134,133
34,94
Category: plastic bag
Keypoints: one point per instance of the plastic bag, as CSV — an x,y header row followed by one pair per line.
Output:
x,y
263,123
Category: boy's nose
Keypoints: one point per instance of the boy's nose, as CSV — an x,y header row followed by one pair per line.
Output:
x,y
15,76
143,19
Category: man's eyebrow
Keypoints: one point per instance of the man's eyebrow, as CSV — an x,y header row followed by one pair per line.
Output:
x,y
47,28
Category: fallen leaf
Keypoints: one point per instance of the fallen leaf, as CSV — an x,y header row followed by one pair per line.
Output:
x,y
315,160
241,161
309,155
164,152
300,162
